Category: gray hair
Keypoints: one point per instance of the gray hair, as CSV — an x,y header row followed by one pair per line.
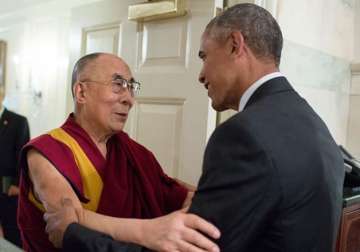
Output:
x,y
80,66
259,28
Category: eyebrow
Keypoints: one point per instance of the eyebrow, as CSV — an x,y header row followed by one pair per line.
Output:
x,y
117,76
201,54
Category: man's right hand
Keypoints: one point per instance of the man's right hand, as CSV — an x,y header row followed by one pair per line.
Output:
x,y
179,231
58,221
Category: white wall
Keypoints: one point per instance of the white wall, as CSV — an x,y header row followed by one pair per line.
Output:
x,y
354,115
357,32
318,50
324,25
353,139
37,61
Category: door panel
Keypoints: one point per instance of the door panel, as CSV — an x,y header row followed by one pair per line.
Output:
x,y
164,118
162,46
103,38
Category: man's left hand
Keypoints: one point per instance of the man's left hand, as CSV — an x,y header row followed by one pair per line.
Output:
x,y
58,221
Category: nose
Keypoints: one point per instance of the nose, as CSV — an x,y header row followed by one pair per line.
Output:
x,y
201,76
128,99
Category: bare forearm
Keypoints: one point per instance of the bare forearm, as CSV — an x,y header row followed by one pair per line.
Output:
x,y
121,229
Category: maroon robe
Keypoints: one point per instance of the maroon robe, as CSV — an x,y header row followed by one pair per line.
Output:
x,y
133,183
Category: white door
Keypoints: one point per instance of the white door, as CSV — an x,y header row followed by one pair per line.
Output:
x,y
172,115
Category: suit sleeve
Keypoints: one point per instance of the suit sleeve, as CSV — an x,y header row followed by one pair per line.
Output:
x,y
82,239
237,190
22,137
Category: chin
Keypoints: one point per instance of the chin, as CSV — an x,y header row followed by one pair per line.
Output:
x,y
218,107
118,128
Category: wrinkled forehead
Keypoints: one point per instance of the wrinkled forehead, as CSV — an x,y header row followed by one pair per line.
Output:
x,y
107,67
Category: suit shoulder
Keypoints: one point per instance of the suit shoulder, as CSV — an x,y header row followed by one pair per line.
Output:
x,y
237,129
16,115
239,121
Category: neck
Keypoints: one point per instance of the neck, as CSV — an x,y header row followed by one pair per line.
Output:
x,y
259,69
98,136
256,70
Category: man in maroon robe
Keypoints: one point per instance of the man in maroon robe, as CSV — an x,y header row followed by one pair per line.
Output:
x,y
91,161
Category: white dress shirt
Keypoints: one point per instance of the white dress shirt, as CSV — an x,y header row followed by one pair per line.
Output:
x,y
250,91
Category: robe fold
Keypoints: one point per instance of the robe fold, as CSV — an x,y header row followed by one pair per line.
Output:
x,y
129,183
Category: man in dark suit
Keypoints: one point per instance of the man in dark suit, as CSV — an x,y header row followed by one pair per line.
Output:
x,y
14,133
274,166
272,174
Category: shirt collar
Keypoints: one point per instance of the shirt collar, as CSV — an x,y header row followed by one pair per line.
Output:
x,y
250,91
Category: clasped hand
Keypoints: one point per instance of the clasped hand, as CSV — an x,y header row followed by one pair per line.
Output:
x,y
179,231
175,232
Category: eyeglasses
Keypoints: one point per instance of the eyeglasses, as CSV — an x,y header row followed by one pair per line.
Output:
x,y
119,84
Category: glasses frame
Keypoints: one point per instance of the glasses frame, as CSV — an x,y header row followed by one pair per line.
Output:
x,y
119,84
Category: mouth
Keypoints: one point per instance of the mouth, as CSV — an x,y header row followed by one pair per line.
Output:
x,y
206,85
124,115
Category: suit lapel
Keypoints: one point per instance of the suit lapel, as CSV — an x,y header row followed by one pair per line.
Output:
x,y
273,86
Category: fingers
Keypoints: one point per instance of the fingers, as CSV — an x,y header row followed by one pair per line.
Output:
x,y
197,241
188,247
195,222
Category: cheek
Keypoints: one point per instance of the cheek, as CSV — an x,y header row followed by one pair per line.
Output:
x,y
108,100
103,107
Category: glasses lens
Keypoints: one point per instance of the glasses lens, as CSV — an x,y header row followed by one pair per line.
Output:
x,y
122,84
135,87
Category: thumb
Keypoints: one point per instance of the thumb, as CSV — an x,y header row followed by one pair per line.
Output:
x,y
185,209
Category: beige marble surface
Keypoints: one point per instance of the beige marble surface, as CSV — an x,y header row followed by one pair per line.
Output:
x,y
6,246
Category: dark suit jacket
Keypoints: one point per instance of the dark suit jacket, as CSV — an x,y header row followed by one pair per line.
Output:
x,y
272,176
272,179
81,239
14,133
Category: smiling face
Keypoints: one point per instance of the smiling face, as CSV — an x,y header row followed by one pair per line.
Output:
x,y
102,109
218,73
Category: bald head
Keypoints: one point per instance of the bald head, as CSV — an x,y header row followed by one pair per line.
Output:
x,y
87,66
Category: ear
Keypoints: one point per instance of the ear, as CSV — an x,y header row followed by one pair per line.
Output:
x,y
238,47
80,92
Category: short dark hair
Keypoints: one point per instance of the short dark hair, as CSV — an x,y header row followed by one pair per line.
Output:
x,y
261,32
80,66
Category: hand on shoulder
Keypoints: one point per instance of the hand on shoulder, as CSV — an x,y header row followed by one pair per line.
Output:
x,y
180,231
